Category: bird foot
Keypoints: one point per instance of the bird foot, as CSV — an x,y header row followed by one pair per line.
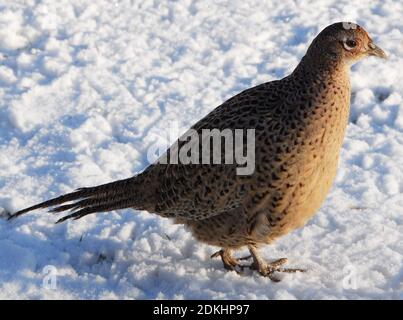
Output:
x,y
268,269
264,268
229,262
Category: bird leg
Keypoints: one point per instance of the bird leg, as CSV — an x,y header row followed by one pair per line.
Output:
x,y
230,263
268,269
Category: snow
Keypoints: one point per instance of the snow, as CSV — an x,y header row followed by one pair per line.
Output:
x,y
87,88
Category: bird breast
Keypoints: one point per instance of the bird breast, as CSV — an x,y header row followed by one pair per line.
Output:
x,y
307,160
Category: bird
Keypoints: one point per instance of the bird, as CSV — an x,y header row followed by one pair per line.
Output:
x,y
299,124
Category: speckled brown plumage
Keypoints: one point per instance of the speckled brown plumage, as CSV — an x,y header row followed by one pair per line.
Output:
x,y
299,123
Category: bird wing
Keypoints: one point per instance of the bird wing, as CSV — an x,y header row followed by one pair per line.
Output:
x,y
199,191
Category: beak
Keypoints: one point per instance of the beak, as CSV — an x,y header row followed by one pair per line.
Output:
x,y
374,50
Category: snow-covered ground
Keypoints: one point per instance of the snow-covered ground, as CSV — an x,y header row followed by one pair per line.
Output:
x,y
87,87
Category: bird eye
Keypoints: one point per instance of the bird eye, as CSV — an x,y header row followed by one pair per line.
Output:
x,y
350,44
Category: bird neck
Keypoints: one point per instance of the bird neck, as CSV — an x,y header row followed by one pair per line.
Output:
x,y
323,68
327,85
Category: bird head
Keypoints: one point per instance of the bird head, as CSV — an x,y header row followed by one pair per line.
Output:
x,y
344,42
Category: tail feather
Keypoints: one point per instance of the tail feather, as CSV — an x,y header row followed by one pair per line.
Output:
x,y
92,209
111,196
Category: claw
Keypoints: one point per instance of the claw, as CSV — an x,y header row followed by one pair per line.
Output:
x,y
5,213
216,254
290,270
268,269
229,262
